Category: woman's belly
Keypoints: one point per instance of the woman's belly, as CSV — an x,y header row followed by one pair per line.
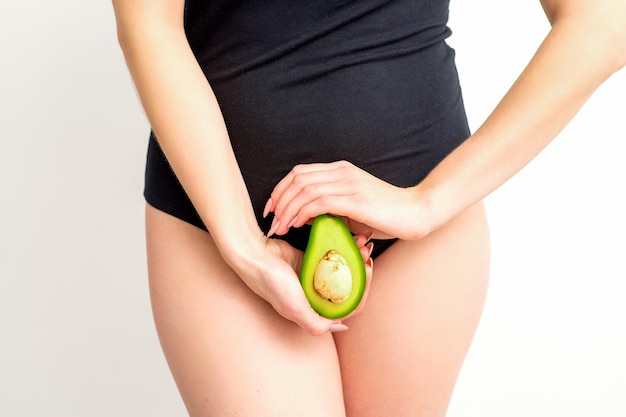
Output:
x,y
395,118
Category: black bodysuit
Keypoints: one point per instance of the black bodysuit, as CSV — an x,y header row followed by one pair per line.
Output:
x,y
368,81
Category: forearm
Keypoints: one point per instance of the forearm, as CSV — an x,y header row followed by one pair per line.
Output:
x,y
575,58
187,120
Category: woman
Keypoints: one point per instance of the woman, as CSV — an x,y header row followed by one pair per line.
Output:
x,y
348,108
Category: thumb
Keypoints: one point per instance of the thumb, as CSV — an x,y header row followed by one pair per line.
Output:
x,y
311,322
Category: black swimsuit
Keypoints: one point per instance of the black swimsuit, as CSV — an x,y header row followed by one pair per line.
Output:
x,y
368,81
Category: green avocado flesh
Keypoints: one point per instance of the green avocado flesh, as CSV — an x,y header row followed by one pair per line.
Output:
x,y
332,250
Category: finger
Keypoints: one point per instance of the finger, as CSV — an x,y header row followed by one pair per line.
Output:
x,y
294,306
285,182
291,215
339,205
288,180
360,239
369,272
307,168
290,254
313,323
303,185
366,251
364,247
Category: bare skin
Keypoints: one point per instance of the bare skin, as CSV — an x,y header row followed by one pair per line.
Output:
x,y
586,45
232,354
402,353
229,351
234,324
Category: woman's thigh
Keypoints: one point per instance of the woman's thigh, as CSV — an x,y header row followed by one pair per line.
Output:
x,y
229,352
402,353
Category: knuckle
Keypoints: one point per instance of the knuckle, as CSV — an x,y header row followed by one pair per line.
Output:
x,y
324,201
280,309
292,313
303,319
309,189
297,169
316,331
299,179
347,174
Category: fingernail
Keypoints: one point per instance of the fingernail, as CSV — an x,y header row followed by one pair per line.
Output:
x,y
267,208
274,228
291,223
337,327
369,237
370,247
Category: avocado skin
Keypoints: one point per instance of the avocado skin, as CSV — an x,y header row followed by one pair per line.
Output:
x,y
330,232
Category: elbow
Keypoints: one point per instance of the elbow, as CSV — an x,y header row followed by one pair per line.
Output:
x,y
120,35
620,49
615,43
614,29
610,46
120,39
609,43
123,43
617,27
602,23
612,40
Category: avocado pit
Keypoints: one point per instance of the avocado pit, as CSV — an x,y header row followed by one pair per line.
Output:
x,y
332,274
332,278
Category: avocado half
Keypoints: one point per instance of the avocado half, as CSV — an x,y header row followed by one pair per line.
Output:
x,y
333,272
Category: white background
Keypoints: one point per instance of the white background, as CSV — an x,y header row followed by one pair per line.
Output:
x,y
76,333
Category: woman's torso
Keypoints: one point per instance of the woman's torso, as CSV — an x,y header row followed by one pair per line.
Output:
x,y
369,81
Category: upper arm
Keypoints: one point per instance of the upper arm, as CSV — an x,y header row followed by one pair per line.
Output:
x,y
136,16
552,8
609,13
604,20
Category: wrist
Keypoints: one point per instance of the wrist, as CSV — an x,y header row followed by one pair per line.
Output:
x,y
428,212
243,249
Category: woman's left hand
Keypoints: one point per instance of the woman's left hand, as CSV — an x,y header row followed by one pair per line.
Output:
x,y
368,204
292,291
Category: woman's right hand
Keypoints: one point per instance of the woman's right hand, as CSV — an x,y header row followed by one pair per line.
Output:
x,y
274,277
186,117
